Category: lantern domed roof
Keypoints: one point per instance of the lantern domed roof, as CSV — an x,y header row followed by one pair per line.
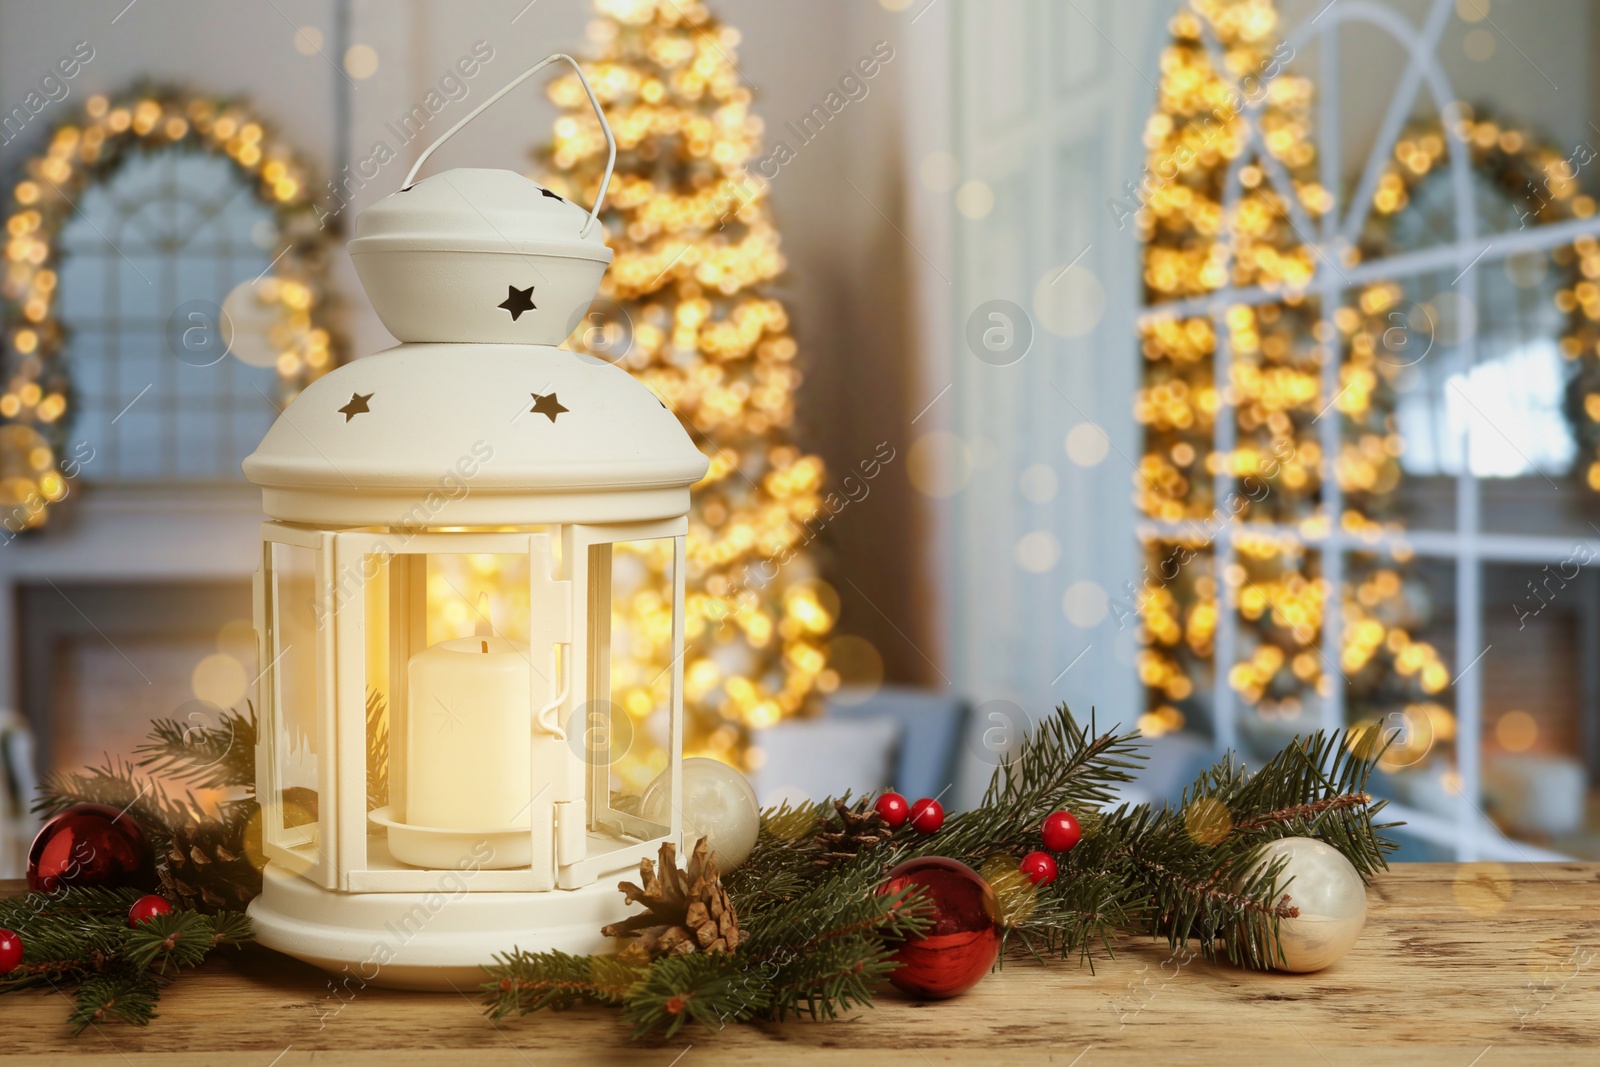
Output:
x,y
478,255
482,434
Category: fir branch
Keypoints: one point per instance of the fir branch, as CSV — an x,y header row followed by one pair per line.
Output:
x,y
833,907
1083,906
231,929
833,976
711,988
124,995
819,940
68,934
1061,765
204,755
782,864
80,936
817,953
522,982
1308,811
116,784
180,939
1196,866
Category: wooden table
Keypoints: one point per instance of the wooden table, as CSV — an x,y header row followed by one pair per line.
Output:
x,y
1467,965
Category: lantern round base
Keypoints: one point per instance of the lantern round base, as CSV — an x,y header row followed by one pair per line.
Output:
x,y
437,941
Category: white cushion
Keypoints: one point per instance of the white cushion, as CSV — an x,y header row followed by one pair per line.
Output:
x,y
809,759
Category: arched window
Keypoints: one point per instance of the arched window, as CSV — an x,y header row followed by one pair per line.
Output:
x,y
1369,400
126,237
171,228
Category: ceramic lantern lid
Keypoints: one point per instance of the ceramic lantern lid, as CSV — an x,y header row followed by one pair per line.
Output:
x,y
483,256
479,256
480,210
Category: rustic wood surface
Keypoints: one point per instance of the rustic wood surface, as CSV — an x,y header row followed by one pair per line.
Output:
x,y
1467,965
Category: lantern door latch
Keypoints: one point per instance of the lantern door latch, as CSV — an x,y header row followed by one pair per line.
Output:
x,y
550,636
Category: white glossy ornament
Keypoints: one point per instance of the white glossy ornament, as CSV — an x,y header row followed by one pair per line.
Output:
x,y
1331,898
718,804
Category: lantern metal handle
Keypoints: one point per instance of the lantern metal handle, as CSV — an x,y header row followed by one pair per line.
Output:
x,y
605,127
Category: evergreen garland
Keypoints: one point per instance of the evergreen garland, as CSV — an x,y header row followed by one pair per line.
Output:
x,y
79,939
217,756
818,940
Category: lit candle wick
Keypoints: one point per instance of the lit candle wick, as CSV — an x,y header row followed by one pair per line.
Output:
x,y
485,645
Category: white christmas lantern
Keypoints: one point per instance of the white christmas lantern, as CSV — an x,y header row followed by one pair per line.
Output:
x,y
438,784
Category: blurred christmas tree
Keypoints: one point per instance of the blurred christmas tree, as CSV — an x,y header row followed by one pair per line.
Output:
x,y
1243,529
695,247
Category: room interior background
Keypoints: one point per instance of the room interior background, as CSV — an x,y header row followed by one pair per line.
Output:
x,y
988,569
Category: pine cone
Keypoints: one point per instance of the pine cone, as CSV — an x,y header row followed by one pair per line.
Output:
x,y
205,867
856,831
686,911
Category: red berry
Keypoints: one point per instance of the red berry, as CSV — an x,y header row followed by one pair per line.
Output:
x,y
927,815
1038,868
10,951
146,908
1060,831
894,809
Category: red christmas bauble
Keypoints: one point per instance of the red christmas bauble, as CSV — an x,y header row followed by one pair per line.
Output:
x,y
961,945
1038,868
927,815
10,951
90,845
1060,831
146,908
894,809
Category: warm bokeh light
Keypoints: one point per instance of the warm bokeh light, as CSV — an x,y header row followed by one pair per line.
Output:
x,y
695,245
1516,731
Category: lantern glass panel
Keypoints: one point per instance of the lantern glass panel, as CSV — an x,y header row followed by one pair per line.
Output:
x,y
632,661
295,634
380,605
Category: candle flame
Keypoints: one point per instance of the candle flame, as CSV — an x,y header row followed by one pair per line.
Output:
x,y
485,626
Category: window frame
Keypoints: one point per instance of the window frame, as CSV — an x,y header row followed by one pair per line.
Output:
x,y
1469,546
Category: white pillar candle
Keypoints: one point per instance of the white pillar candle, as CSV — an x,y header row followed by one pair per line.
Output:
x,y
468,763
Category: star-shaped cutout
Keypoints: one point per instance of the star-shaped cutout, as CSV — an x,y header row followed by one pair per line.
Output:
x,y
518,300
546,405
357,406
554,196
